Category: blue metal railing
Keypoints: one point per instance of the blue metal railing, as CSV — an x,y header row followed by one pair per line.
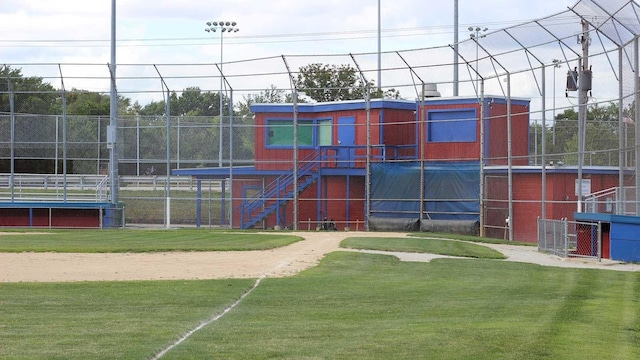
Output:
x,y
279,191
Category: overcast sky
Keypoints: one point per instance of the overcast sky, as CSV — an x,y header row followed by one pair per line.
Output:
x,y
172,31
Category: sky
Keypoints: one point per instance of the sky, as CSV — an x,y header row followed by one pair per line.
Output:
x,y
173,31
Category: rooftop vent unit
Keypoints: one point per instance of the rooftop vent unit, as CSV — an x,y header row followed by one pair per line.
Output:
x,y
430,90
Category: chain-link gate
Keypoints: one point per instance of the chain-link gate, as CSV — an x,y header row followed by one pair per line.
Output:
x,y
566,238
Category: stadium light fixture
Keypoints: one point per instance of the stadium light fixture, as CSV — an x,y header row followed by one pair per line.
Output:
x,y
229,27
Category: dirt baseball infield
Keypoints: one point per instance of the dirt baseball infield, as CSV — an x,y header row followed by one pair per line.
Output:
x,y
285,261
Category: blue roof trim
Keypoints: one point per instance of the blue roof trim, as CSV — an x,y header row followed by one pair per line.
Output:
x,y
610,218
473,100
334,106
378,104
222,173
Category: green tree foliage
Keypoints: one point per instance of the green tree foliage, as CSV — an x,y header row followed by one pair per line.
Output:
x,y
191,101
31,94
601,141
83,102
80,102
323,82
386,94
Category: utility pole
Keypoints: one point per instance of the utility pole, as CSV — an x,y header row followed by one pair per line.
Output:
x,y
584,85
456,57
379,49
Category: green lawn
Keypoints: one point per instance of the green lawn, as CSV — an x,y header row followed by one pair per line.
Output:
x,y
362,306
105,320
352,305
95,241
469,238
422,245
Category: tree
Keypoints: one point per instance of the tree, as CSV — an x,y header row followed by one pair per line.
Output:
x,y
194,102
191,101
601,142
323,82
31,94
81,102
386,94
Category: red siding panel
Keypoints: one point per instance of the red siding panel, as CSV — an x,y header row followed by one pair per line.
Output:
x,y
527,206
497,134
451,151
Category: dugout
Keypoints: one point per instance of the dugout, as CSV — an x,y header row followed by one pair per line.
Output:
x,y
51,214
620,235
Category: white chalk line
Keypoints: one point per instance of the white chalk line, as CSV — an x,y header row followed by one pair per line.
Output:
x,y
194,330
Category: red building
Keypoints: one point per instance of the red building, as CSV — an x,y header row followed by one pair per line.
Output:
x,y
397,164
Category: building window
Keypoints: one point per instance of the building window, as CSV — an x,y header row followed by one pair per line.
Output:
x,y
280,133
451,125
325,137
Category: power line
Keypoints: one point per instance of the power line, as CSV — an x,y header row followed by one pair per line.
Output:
x,y
252,39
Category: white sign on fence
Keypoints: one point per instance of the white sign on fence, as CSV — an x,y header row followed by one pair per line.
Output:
x,y
586,186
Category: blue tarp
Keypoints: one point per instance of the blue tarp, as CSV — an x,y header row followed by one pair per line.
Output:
x,y
452,190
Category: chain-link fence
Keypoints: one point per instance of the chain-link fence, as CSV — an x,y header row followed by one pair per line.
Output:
x,y
567,239
174,116
65,158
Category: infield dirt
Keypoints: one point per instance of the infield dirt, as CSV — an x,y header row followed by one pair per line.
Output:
x,y
285,261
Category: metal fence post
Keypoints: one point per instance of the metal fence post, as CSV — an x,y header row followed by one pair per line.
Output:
x,y
555,237
599,241
566,238
539,234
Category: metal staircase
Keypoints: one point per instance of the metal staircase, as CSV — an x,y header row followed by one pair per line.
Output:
x,y
279,192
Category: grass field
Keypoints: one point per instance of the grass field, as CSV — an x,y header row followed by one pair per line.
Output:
x,y
420,245
114,241
351,306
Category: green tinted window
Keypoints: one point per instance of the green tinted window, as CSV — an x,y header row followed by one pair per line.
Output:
x,y
280,133
324,133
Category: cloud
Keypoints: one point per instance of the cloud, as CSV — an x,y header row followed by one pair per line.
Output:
x,y
172,32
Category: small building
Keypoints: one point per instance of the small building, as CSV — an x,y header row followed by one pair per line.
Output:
x,y
394,140
400,165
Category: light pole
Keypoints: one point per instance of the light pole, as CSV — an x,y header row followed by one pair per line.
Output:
x,y
556,64
379,49
477,33
222,26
